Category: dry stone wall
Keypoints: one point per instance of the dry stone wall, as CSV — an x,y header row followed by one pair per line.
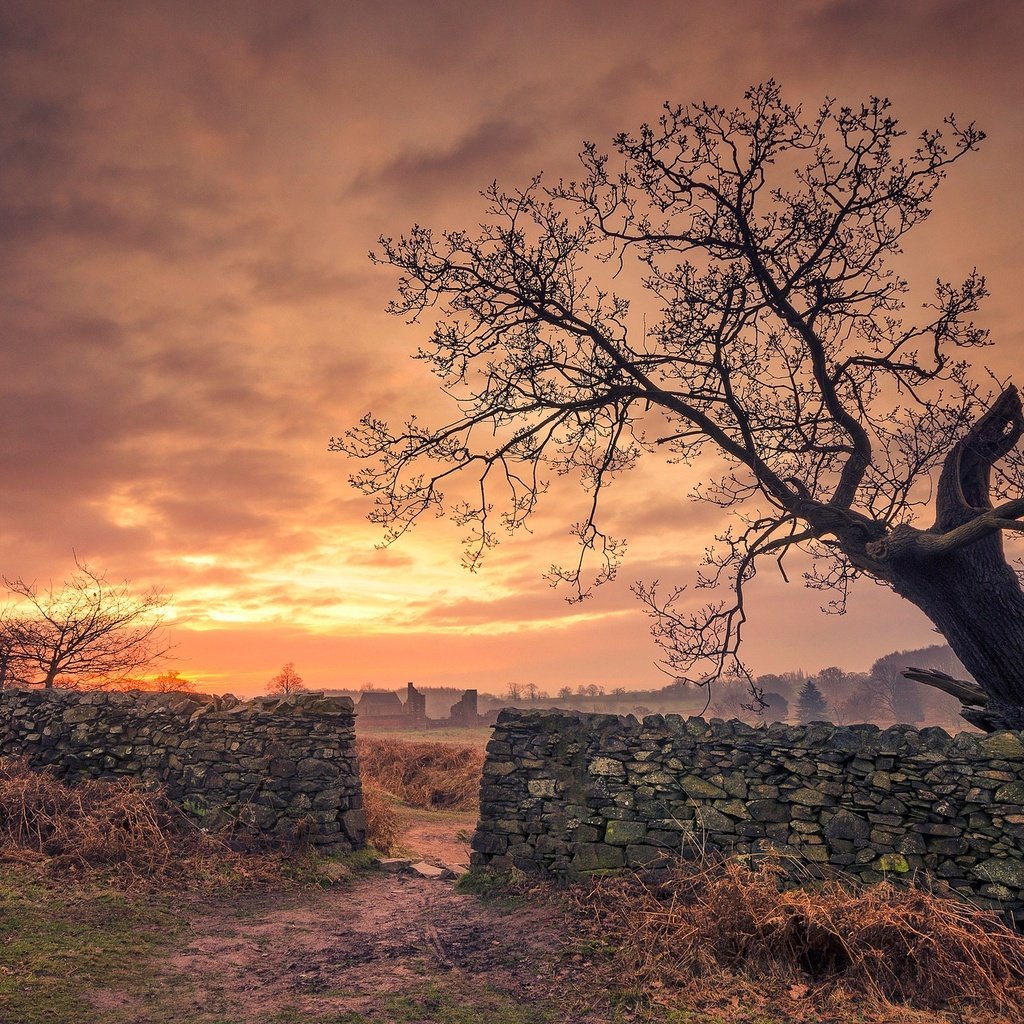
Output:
x,y
567,794
281,769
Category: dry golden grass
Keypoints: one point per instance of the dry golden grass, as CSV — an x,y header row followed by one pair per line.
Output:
x,y
720,934
423,774
127,834
382,824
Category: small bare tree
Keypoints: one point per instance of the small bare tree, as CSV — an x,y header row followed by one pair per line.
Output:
x,y
86,629
286,681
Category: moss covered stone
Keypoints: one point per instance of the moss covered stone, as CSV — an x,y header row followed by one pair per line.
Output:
x,y
1005,745
893,862
625,833
1004,870
701,789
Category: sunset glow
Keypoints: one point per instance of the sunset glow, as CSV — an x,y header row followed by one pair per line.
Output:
x,y
189,194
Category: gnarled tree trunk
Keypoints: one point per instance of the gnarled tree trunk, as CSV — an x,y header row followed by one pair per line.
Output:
x,y
957,572
975,601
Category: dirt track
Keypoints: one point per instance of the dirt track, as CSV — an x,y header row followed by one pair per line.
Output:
x,y
381,948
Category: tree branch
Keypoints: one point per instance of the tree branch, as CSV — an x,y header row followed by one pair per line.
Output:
x,y
965,691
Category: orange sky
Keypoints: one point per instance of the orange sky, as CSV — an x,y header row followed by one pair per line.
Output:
x,y
188,194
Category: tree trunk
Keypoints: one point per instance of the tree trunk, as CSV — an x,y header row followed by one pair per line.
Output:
x,y
970,592
974,599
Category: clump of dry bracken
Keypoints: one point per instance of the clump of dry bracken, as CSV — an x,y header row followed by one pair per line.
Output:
x,y
432,775
122,831
383,827
725,934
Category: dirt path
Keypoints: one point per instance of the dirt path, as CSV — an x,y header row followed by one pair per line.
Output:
x,y
440,837
383,948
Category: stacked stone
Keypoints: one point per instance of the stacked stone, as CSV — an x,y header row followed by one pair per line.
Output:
x,y
281,769
568,793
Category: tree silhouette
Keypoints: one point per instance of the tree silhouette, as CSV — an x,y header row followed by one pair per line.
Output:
x,y
85,629
776,707
900,698
768,330
811,705
286,681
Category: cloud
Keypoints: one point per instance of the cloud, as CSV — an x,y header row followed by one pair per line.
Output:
x,y
380,558
463,166
290,281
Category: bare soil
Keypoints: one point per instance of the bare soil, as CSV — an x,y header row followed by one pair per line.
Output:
x,y
377,948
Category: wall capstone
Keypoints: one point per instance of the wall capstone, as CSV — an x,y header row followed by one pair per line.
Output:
x,y
569,794
278,768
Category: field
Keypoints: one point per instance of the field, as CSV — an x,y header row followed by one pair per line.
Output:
x,y
112,909
468,737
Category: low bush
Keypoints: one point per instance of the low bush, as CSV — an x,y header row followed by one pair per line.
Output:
x,y
422,774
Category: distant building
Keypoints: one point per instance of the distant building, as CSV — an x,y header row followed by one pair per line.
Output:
x,y
384,709
464,711
379,704
415,705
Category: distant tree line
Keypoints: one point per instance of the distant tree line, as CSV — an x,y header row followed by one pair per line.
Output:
x,y
881,695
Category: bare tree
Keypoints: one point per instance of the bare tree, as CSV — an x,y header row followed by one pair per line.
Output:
x,y
862,705
771,331
286,681
87,629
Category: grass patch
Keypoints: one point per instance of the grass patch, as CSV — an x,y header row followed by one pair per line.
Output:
x,y
473,736
312,868
478,882
431,1005
57,945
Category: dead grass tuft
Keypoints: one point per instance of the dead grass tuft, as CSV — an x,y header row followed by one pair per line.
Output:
x,y
129,835
382,824
834,942
430,775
